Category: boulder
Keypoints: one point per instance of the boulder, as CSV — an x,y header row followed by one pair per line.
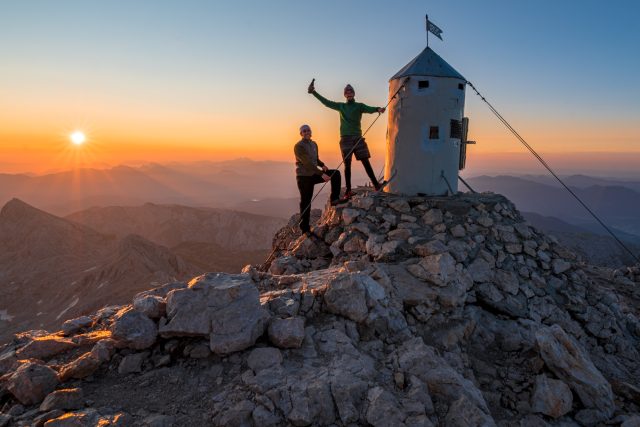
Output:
x,y
152,306
346,296
349,215
458,231
132,363
309,248
432,217
480,271
224,307
572,364
40,420
383,409
464,413
32,382
81,367
507,281
432,247
444,382
440,268
73,326
66,399
551,397
560,266
104,350
134,329
287,333
90,417
44,348
264,357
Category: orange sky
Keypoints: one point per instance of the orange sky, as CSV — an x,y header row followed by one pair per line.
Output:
x,y
146,133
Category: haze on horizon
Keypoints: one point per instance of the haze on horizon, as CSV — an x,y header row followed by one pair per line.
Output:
x,y
159,82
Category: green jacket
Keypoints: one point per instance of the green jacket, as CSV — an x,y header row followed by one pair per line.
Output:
x,y
350,114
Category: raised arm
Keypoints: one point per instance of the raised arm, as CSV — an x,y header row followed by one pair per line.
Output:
x,y
331,104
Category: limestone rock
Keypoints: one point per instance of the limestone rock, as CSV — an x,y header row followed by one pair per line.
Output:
x,y
152,306
72,326
458,231
432,217
40,420
444,382
287,333
65,399
134,329
31,383
310,248
480,271
224,307
463,413
383,409
551,397
560,266
346,296
103,350
571,363
440,268
432,247
507,281
90,417
132,363
44,348
81,367
264,357
349,215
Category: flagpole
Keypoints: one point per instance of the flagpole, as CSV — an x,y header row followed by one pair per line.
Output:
x,y
427,28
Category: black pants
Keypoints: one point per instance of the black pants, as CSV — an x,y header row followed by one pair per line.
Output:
x,y
305,186
367,168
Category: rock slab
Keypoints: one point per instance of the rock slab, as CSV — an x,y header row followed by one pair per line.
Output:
x,y
571,363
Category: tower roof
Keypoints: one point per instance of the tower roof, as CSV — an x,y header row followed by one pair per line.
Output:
x,y
428,63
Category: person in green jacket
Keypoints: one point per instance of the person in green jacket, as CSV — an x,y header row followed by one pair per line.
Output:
x,y
351,140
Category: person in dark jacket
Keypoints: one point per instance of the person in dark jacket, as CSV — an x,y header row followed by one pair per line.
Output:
x,y
310,170
351,140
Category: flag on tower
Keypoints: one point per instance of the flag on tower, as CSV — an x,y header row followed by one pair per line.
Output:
x,y
433,28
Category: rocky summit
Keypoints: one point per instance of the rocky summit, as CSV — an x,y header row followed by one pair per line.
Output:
x,y
398,311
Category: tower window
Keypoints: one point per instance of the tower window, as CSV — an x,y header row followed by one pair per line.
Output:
x,y
434,132
423,84
460,86
456,129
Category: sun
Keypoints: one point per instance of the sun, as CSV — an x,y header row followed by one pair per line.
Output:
x,y
78,137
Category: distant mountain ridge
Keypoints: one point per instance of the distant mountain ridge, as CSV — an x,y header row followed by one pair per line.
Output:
x,y
171,225
596,249
618,206
52,268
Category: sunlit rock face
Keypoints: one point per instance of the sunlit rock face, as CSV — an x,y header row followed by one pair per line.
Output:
x,y
400,311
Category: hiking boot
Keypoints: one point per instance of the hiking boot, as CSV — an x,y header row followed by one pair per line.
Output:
x,y
310,234
381,185
339,201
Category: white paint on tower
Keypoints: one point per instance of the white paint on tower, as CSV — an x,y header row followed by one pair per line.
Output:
x,y
424,129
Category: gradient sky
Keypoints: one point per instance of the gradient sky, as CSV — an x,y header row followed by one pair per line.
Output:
x,y
165,80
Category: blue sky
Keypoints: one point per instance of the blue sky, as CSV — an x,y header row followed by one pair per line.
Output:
x,y
543,64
